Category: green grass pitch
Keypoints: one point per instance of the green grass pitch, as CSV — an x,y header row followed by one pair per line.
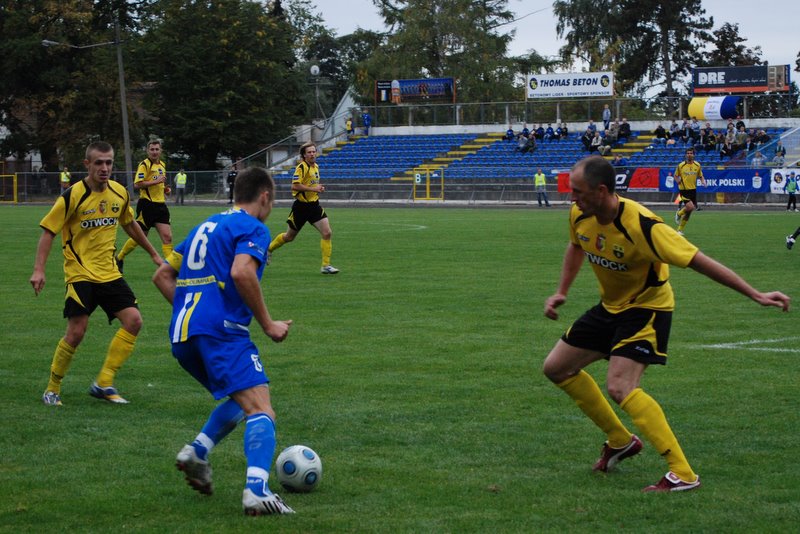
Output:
x,y
416,375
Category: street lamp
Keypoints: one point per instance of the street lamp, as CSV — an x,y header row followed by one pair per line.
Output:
x,y
123,99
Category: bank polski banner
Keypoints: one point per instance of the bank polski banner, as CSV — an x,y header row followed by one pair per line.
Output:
x,y
574,84
724,181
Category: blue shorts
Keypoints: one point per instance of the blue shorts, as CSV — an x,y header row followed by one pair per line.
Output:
x,y
223,367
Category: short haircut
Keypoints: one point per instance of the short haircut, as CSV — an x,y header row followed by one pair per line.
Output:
x,y
98,146
155,141
250,183
304,147
597,171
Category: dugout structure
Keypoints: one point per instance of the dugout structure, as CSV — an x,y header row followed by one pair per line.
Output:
x,y
429,184
8,188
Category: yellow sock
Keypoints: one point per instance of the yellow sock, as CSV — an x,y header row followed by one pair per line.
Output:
x,y
127,248
58,369
276,243
326,246
650,419
587,395
682,225
166,250
681,213
119,350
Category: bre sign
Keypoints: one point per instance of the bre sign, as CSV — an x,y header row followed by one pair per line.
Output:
x,y
752,79
576,84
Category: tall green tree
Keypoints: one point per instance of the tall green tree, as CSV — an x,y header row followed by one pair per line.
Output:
x,y
648,43
728,50
223,78
55,100
462,39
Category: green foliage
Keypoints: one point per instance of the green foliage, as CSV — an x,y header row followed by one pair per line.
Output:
x,y
456,38
223,77
416,374
729,51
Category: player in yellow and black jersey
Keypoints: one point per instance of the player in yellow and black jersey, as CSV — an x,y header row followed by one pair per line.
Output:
x,y
151,208
306,188
87,216
630,250
687,174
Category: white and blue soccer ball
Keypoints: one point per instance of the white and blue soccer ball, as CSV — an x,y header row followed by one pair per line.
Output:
x,y
298,468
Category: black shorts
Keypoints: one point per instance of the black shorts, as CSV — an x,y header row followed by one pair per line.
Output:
x,y
82,298
305,212
148,213
688,195
638,333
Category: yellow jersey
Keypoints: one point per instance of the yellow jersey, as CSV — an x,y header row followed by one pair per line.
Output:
x,y
307,175
147,171
631,256
88,224
687,175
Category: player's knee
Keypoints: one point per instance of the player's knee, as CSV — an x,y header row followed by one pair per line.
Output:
x,y
132,323
618,390
288,238
326,234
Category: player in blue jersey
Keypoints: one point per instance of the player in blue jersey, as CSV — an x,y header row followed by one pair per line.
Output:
x,y
213,281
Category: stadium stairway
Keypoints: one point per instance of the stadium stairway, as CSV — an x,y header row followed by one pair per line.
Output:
x,y
469,147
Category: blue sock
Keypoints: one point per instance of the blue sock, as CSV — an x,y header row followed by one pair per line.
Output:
x,y
220,423
259,447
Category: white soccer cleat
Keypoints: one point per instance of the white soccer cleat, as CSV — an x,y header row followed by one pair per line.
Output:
x,y
329,269
789,242
196,471
267,505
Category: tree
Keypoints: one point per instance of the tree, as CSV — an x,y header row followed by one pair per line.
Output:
x,y
439,38
729,51
57,99
223,77
647,43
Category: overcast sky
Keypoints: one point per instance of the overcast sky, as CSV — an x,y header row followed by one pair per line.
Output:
x,y
772,25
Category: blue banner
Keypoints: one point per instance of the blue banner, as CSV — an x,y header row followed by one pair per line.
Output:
x,y
723,181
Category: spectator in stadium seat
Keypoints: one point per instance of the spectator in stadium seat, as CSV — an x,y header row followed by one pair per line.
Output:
x,y
686,131
740,138
739,122
596,143
586,139
549,133
762,138
727,150
780,150
695,132
674,130
705,132
510,136
720,141
592,126
612,134
539,133
619,162
749,145
758,160
660,134
606,117
524,132
624,130
730,136
778,161
710,142
563,131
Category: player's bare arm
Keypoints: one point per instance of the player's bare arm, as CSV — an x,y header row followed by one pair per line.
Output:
x,y
573,259
137,234
720,273
165,279
245,277
42,252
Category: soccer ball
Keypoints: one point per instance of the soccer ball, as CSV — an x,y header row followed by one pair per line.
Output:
x,y
299,468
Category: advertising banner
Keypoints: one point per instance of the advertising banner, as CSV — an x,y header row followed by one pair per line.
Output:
x,y
752,79
778,179
723,181
576,84
628,179
419,90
